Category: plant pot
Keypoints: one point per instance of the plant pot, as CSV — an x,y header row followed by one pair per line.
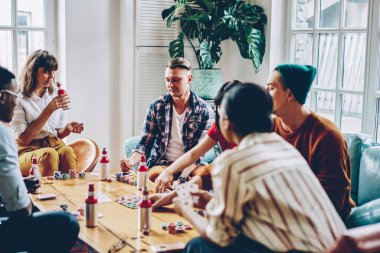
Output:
x,y
206,82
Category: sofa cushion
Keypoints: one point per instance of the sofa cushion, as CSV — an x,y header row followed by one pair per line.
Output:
x,y
365,239
366,214
369,175
356,143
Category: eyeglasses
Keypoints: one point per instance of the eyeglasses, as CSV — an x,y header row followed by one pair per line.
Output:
x,y
17,95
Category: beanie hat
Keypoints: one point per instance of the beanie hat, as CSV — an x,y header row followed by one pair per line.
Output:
x,y
298,78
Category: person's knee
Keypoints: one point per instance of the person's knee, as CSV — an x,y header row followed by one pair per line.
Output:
x,y
194,245
66,151
48,161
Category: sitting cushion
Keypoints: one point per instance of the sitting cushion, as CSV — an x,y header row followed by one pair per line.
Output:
x,y
356,143
364,215
365,239
369,175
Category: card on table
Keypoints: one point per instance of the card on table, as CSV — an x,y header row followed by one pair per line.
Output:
x,y
168,247
46,196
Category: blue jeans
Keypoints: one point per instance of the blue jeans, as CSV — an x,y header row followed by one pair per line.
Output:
x,y
242,244
40,232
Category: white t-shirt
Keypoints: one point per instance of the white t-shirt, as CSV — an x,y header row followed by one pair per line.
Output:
x,y
13,192
175,147
28,109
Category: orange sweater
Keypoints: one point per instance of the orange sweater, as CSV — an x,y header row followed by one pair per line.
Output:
x,y
322,145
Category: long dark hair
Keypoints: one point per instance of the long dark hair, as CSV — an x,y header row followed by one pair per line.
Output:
x,y
219,97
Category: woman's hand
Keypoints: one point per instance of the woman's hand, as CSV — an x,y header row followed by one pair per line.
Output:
x,y
75,127
162,199
58,102
125,165
162,182
203,198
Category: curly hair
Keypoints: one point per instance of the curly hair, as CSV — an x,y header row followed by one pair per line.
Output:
x,y
37,59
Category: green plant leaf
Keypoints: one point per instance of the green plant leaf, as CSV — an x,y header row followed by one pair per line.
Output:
x,y
176,47
205,55
167,12
256,43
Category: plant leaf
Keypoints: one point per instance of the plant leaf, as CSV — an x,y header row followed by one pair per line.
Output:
x,y
176,47
256,43
205,55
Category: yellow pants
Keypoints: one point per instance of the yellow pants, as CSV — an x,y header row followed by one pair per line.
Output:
x,y
202,171
52,155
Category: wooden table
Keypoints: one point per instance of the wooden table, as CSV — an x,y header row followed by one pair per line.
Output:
x,y
118,222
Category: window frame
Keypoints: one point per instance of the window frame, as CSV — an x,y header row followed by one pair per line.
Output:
x,y
370,93
48,30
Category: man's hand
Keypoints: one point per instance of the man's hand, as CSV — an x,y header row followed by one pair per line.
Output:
x,y
75,127
125,165
32,184
204,198
162,199
163,182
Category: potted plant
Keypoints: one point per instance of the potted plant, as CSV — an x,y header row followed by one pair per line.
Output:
x,y
205,24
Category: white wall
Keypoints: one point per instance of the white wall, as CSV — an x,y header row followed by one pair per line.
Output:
x,y
235,67
92,70
98,45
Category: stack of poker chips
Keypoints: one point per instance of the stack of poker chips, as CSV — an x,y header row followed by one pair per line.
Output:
x,y
175,227
82,174
57,175
73,173
64,206
65,176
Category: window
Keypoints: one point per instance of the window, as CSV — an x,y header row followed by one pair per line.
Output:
x,y
337,37
22,30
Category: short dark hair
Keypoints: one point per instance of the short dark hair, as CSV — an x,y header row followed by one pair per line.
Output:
x,y
179,62
5,78
249,108
219,97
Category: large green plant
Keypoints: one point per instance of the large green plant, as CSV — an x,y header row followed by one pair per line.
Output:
x,y
211,22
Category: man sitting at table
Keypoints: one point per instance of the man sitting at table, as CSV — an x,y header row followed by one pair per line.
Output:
x,y
265,198
20,229
174,124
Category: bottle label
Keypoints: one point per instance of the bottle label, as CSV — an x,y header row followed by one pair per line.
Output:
x,y
144,218
104,171
141,180
91,215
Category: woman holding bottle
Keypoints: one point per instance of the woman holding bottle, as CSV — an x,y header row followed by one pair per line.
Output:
x,y
39,120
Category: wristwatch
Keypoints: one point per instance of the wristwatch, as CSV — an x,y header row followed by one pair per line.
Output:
x,y
182,179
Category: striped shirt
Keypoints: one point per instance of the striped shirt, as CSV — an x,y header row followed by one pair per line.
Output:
x,y
266,190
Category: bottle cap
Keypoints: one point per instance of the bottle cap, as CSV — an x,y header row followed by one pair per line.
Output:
x,y
34,159
91,187
143,158
104,152
59,85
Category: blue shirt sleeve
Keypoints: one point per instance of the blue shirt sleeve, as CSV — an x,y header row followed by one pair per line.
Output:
x,y
13,191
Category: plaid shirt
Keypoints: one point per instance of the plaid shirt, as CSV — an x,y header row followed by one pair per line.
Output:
x,y
157,127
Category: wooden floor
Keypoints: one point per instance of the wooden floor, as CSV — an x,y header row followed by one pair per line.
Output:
x,y
118,222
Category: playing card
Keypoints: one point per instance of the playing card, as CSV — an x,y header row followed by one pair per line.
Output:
x,y
46,196
168,247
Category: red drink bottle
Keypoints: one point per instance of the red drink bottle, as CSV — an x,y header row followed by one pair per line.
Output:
x,y
91,207
61,91
142,174
145,213
104,165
